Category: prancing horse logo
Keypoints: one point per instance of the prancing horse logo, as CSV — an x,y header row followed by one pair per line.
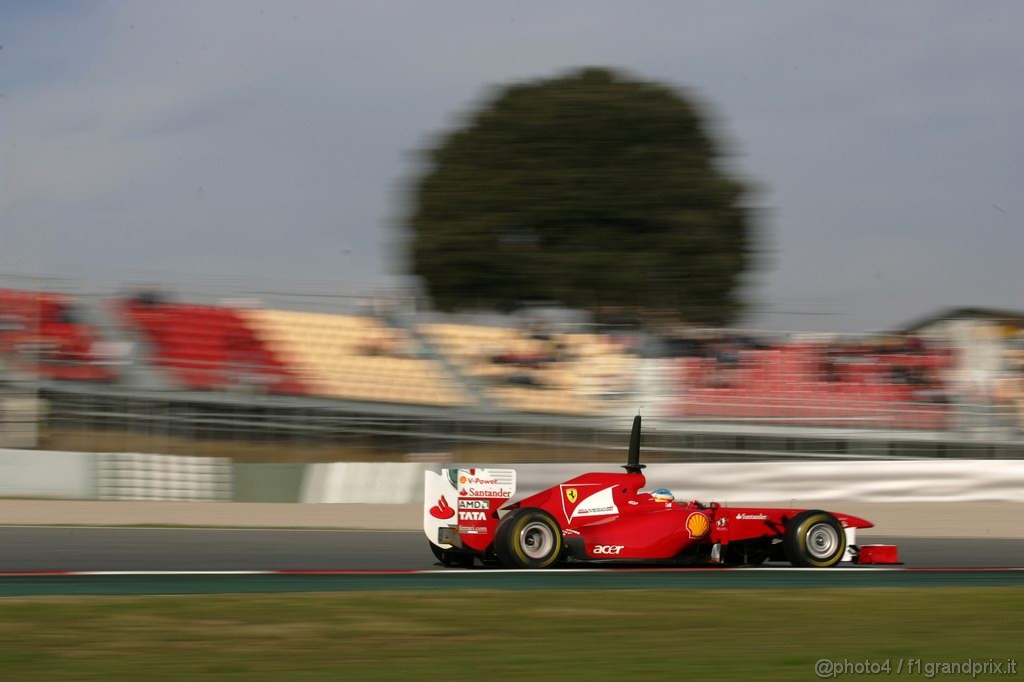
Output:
x,y
571,495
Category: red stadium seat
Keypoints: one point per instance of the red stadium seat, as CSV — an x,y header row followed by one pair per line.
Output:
x,y
40,332
209,347
789,383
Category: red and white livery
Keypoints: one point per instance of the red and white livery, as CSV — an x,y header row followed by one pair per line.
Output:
x,y
604,518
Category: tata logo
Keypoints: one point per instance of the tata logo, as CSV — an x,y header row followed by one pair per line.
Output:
x,y
472,516
607,549
572,495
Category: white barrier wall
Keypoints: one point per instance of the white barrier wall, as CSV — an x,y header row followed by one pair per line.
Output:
x,y
783,482
987,480
130,476
364,483
75,475
43,473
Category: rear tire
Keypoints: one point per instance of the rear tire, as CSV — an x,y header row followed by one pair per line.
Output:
x,y
814,539
451,558
528,538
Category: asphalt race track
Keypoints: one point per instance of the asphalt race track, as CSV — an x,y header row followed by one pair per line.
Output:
x,y
54,549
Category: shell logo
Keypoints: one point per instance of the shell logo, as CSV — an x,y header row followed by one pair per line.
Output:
x,y
697,525
462,479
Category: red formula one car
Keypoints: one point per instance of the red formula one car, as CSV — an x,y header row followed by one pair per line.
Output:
x,y
604,518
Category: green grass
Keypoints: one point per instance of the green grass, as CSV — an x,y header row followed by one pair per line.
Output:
x,y
566,635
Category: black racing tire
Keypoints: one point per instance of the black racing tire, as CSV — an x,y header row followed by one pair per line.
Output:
x,y
528,538
450,558
814,539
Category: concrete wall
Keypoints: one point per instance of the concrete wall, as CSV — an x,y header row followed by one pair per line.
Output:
x,y
902,481
42,473
366,483
133,476
862,481
35,473
268,482
121,476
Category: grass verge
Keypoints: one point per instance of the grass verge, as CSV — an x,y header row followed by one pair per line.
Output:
x,y
474,635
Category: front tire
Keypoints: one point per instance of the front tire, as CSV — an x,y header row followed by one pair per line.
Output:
x,y
814,539
528,538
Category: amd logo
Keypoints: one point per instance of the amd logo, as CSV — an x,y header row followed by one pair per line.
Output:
x,y
472,516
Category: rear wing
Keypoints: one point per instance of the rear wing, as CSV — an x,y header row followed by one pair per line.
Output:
x,y
459,505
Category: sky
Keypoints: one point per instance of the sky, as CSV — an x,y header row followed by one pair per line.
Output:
x,y
275,143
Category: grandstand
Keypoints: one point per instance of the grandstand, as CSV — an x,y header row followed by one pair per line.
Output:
x,y
355,358
531,372
208,347
425,382
41,334
811,382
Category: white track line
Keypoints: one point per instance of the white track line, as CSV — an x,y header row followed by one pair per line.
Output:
x,y
484,573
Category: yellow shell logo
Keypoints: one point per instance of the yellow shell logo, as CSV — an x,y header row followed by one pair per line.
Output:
x,y
571,495
697,525
462,479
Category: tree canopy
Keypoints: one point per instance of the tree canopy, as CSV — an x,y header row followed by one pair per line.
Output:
x,y
590,189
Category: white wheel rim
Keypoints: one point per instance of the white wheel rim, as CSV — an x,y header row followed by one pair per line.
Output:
x,y
822,541
537,540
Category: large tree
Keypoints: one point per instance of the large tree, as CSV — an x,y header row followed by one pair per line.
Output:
x,y
590,189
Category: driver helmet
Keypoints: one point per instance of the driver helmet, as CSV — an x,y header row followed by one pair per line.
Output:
x,y
663,495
